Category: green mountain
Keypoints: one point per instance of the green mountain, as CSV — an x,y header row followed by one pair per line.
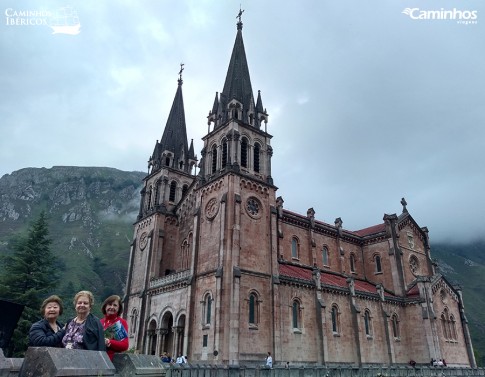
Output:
x,y
91,214
464,265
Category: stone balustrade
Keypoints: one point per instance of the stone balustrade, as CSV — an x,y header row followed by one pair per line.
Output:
x,y
169,279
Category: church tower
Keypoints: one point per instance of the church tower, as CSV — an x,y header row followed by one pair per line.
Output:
x,y
236,255
155,250
204,250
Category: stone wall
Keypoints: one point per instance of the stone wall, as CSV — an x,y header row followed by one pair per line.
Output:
x,y
52,362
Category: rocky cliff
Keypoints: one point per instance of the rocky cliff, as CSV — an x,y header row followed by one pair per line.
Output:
x,y
91,213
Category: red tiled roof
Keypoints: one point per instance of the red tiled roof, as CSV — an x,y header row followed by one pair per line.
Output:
x,y
302,273
413,292
295,272
330,279
371,230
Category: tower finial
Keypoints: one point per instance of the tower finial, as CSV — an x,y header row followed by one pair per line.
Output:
x,y
404,204
239,15
180,73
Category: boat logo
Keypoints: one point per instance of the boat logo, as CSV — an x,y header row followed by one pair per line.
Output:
x,y
64,20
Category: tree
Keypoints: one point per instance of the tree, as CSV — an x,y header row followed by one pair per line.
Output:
x,y
27,278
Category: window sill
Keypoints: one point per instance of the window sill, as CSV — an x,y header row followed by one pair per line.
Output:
x,y
206,327
369,337
336,335
253,326
378,273
296,331
397,339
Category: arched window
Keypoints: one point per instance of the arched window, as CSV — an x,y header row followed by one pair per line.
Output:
x,y
253,309
244,152
207,309
352,262
377,259
453,328
185,255
294,248
134,321
149,203
173,188
184,189
325,256
224,153
367,323
444,326
214,159
257,150
334,312
167,161
296,314
395,326
157,192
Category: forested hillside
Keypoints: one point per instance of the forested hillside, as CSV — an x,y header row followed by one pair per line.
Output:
x,y
91,212
464,265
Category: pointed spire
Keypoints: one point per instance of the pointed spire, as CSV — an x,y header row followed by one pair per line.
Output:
x,y
191,150
174,139
259,103
238,82
215,106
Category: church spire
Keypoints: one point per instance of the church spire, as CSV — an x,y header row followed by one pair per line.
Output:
x,y
237,85
172,150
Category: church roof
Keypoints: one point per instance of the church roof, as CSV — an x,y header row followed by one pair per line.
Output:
x,y
371,230
328,279
413,292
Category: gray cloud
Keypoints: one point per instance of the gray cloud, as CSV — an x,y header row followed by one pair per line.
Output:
x,y
366,105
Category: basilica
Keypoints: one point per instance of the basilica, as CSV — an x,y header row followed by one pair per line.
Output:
x,y
221,272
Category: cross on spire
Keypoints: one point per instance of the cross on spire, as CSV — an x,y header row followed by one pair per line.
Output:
x,y
180,73
240,13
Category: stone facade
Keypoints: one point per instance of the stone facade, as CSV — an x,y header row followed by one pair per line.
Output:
x,y
221,272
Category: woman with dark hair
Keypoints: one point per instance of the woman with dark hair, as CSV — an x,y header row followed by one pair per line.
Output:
x,y
115,327
84,331
48,332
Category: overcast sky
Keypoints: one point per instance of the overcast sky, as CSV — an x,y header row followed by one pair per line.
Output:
x,y
366,104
